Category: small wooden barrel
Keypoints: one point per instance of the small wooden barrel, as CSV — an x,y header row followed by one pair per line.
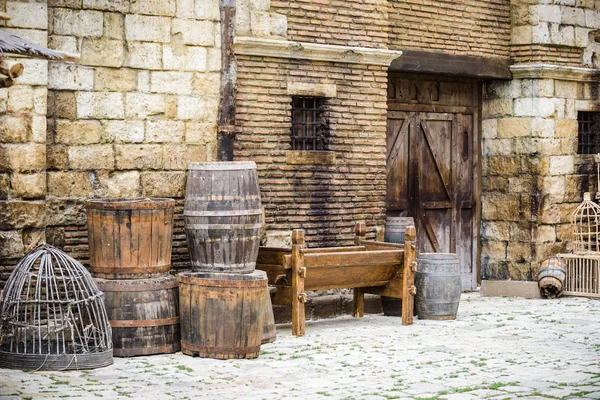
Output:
x,y
130,238
269,330
394,233
143,314
551,278
223,216
222,315
438,286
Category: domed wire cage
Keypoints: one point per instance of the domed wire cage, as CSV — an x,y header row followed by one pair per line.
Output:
x,y
52,315
585,222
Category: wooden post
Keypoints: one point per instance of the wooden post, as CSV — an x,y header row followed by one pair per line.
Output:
x,y
226,119
380,234
298,275
358,307
408,284
360,231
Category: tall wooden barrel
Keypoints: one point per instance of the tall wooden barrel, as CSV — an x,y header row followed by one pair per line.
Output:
x,y
269,330
222,315
223,216
551,278
130,238
438,286
143,314
394,233
395,228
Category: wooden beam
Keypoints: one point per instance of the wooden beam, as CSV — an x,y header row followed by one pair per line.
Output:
x,y
4,16
6,83
226,119
12,71
413,61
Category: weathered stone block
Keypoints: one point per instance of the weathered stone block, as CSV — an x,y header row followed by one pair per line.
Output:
x,y
40,100
115,80
260,23
20,98
561,165
592,19
22,214
15,129
30,157
520,232
179,157
117,184
550,211
495,184
69,184
202,109
142,106
108,5
541,33
494,231
201,133
541,127
35,73
562,34
566,128
545,234
57,157
155,7
33,237
513,127
163,184
553,185
100,105
521,184
497,147
489,128
77,132
88,157
500,207
143,81
208,10
63,212
572,16
63,43
147,29
518,251
103,52
184,58
4,186
194,32
279,25
565,89
171,82
144,55
124,131
493,250
497,108
27,15
81,23
11,244
501,165
165,131
65,104
38,129
213,62
549,13
206,83
114,26
28,186
520,271
131,156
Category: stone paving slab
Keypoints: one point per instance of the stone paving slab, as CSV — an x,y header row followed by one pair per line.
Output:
x,y
497,348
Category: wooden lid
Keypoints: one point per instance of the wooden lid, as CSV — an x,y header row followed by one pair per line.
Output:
x,y
222,166
129,203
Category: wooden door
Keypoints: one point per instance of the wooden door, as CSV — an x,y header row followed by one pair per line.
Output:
x,y
433,166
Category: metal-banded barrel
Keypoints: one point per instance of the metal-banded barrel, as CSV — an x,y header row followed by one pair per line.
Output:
x,y
222,314
223,216
438,284
551,278
143,314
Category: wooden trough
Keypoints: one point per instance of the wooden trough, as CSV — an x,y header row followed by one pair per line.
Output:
x,y
386,269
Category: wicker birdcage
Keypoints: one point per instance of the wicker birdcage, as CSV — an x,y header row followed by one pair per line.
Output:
x,y
585,222
52,315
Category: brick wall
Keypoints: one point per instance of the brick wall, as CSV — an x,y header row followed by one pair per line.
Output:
x,y
140,106
22,141
326,200
473,28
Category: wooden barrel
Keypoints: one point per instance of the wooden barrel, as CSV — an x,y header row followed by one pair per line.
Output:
x,y
143,314
551,278
438,286
130,238
223,216
222,315
269,330
394,233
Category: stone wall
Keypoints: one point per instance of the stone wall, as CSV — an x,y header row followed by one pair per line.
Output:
x,y
140,106
22,141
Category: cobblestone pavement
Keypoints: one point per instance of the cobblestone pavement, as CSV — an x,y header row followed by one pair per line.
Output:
x,y
498,348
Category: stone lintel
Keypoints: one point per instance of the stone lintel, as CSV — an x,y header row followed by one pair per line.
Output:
x,y
312,51
558,72
296,88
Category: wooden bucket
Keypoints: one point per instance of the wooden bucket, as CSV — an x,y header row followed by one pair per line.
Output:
x,y
222,315
223,216
394,233
143,314
551,278
438,284
130,238
269,330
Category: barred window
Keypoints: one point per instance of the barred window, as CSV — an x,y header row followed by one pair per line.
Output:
x,y
588,132
309,127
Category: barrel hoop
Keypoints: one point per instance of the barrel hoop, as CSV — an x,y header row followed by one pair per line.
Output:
x,y
221,213
131,270
223,226
191,280
117,286
220,350
141,351
130,204
217,197
222,166
142,323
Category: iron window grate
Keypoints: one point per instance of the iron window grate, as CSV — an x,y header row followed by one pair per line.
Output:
x,y
587,132
309,128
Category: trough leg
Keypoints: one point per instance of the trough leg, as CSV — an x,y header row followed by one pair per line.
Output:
x,y
358,306
298,275
409,268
